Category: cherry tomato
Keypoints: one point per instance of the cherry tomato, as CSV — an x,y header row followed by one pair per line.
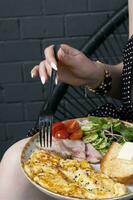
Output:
x,y
56,127
71,125
76,135
61,134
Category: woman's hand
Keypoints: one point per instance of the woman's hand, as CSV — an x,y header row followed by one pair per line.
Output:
x,y
74,67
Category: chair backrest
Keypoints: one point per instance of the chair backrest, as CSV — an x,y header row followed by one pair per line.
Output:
x,y
106,45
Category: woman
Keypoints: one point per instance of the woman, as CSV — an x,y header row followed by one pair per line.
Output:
x,y
97,76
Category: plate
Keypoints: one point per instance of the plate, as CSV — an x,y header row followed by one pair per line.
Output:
x,y
30,147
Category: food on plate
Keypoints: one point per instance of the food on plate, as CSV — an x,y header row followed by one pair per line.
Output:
x,y
61,134
101,132
76,135
57,126
92,155
69,148
71,178
97,133
71,125
75,149
69,129
126,152
119,169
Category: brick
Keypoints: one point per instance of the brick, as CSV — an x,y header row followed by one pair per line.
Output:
x,y
20,8
77,42
63,6
10,72
32,110
27,67
1,94
20,51
42,27
3,136
103,5
23,92
19,130
11,112
84,24
9,29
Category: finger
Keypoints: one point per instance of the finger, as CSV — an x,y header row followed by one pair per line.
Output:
x,y
48,68
35,71
49,71
50,57
69,50
42,72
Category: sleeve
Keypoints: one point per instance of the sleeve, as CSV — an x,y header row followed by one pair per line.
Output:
x,y
127,74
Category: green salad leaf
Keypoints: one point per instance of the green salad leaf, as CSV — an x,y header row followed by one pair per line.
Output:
x,y
102,131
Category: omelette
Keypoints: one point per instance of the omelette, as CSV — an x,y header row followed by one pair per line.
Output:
x,y
72,178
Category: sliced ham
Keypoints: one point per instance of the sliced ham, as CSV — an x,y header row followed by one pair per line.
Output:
x,y
69,148
92,155
75,149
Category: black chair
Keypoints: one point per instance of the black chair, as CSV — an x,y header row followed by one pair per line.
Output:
x,y
105,45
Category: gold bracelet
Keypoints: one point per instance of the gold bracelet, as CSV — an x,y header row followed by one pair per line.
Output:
x,y
105,86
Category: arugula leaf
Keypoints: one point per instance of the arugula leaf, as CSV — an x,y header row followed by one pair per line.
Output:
x,y
127,133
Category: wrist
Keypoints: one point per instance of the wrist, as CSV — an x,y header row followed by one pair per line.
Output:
x,y
104,81
100,73
97,76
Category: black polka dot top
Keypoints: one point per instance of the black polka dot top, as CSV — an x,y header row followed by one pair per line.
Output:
x,y
125,111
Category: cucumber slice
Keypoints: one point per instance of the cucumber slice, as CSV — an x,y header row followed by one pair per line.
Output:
x,y
102,145
97,142
90,132
90,138
86,127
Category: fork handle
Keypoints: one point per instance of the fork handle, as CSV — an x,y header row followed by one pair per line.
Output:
x,y
58,94
53,74
56,49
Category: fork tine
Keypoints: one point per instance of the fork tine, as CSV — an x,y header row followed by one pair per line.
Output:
x,y
50,134
47,133
44,136
40,136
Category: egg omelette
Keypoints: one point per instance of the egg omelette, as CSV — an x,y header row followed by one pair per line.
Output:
x,y
71,178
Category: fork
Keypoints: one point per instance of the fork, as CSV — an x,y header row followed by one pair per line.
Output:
x,y
46,115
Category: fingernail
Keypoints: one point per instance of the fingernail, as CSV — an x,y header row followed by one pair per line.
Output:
x,y
43,80
53,65
32,75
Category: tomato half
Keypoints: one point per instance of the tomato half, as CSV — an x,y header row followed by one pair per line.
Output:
x,y
71,125
61,134
56,127
76,135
